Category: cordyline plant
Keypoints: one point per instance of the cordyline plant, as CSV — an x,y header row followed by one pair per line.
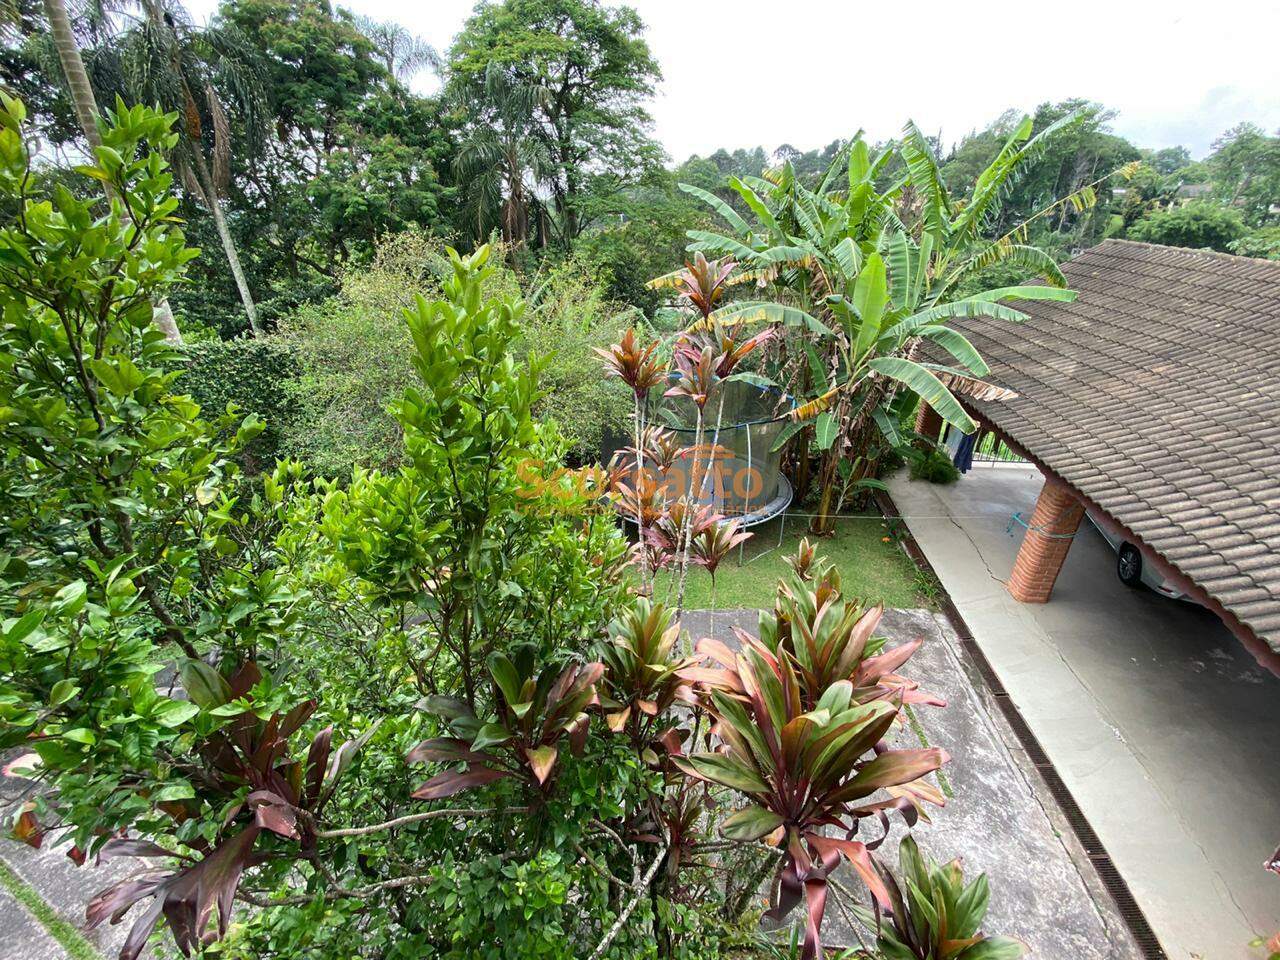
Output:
x,y
639,368
802,770
642,672
245,767
827,638
538,714
932,914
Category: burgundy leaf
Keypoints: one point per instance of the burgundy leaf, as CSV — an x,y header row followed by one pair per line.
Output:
x,y
116,899
296,717
244,680
272,812
132,847
450,782
445,749
317,761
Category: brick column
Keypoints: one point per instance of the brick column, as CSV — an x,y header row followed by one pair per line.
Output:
x,y
928,421
1044,548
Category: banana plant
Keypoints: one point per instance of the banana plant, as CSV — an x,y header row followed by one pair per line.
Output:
x,y
803,772
537,715
841,264
933,914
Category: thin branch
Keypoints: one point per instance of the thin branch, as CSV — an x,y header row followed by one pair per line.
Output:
x,y
338,893
411,818
640,889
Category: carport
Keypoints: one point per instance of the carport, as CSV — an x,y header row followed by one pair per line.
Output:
x,y
1153,401
1159,723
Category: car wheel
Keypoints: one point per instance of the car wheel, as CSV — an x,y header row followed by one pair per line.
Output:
x,y
1129,565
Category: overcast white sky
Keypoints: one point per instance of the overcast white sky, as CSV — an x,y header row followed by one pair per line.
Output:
x,y
737,73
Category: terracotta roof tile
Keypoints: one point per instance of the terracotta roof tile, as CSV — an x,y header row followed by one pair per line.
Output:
x,y
1156,394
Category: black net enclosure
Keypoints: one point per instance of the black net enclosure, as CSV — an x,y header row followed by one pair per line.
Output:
x,y
738,468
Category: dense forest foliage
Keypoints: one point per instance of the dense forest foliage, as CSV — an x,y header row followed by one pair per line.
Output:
x,y
315,147
315,590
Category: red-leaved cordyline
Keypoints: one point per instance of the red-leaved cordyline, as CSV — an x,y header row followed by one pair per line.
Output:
x,y
639,368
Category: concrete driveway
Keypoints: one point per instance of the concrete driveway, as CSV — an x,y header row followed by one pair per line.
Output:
x,y
1163,727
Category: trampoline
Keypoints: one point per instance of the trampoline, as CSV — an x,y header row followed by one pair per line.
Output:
x,y
741,475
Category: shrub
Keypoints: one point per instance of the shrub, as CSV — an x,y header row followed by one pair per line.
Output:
x,y
1263,244
256,376
354,349
567,316
933,465
1199,225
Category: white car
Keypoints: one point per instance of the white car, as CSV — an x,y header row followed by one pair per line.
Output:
x,y
1129,565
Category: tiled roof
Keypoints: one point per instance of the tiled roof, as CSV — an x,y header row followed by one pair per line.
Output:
x,y
1157,395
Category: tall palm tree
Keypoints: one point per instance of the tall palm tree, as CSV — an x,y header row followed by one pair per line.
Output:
x,y
86,107
500,160
402,52
198,72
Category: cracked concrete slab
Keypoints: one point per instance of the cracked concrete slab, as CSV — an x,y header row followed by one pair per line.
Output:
x,y
998,820
1160,723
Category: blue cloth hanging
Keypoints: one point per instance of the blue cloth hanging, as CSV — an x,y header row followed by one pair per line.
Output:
x,y
963,458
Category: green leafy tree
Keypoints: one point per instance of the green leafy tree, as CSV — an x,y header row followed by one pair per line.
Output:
x,y
1200,224
1263,244
500,159
124,547
596,70
201,73
351,153
1245,169
1169,160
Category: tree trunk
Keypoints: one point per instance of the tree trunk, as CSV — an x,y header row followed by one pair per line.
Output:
x,y
205,182
86,108
82,99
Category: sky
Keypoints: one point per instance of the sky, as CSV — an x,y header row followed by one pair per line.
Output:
x,y
741,73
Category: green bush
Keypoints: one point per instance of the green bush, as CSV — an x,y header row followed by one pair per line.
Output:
x,y
568,317
1263,244
354,352
934,466
256,376
1200,225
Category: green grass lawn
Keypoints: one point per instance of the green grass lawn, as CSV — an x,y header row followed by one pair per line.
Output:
x,y
863,547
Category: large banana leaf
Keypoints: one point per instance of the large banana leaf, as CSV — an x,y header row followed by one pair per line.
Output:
x,y
926,386
763,311
758,206
1026,292
870,298
958,345
926,175
730,215
969,307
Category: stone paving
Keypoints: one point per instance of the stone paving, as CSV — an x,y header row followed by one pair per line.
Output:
x,y
999,820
